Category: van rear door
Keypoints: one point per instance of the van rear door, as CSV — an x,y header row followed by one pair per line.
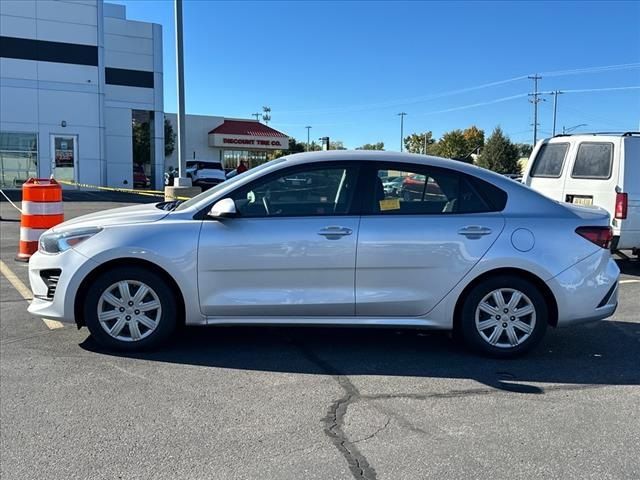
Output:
x,y
592,175
545,170
630,184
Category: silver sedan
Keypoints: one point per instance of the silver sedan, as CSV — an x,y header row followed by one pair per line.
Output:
x,y
314,239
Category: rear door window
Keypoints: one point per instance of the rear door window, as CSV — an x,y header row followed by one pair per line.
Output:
x,y
594,160
549,160
430,190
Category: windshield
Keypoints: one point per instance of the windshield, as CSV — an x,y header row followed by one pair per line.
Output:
x,y
238,178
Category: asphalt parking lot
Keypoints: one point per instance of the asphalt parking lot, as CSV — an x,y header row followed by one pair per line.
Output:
x,y
325,403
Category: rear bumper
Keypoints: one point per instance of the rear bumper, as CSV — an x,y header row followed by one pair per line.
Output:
x,y
588,290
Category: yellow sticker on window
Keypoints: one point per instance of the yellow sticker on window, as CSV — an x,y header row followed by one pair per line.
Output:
x,y
390,204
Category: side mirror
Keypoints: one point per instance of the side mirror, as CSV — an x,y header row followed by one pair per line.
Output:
x,y
225,208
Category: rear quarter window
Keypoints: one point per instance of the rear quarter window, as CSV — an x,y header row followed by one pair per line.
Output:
x,y
593,160
549,160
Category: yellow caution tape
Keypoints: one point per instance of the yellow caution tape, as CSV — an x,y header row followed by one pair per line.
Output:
x,y
147,193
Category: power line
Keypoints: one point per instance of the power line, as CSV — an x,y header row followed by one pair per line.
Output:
x,y
473,105
605,89
605,68
424,98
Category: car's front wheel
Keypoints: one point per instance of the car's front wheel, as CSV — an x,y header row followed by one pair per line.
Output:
x,y
503,316
130,308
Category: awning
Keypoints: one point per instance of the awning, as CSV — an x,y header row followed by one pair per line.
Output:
x,y
247,135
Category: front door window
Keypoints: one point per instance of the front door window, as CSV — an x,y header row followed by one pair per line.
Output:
x,y
309,192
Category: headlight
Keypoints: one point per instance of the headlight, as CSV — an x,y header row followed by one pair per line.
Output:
x,y
56,242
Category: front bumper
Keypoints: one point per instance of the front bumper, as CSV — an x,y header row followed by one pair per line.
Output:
x,y
73,268
588,290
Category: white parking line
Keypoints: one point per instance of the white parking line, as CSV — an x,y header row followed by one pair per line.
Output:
x,y
25,293
629,281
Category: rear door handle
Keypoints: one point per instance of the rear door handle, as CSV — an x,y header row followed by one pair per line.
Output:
x,y
474,231
335,232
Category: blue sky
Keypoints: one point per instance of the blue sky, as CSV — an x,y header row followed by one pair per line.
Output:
x,y
348,68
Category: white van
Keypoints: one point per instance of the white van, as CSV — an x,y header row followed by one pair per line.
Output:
x,y
600,169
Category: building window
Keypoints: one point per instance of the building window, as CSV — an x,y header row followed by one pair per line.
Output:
x,y
142,129
18,158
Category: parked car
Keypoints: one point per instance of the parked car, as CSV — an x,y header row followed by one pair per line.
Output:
x,y
514,176
140,179
205,174
593,169
488,258
413,187
392,185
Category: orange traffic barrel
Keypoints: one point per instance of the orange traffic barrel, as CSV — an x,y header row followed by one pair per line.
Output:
x,y
41,210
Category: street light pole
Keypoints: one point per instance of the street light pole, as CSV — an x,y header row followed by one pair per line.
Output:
x,y
308,127
182,180
425,143
401,115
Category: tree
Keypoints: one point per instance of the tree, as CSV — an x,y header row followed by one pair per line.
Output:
x,y
454,145
337,145
499,154
141,133
169,138
372,146
524,149
414,143
294,147
474,138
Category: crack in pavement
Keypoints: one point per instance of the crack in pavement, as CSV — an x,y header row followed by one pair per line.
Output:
x,y
334,420
368,437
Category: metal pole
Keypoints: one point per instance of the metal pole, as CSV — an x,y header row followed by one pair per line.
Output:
x,y
401,115
555,109
182,146
308,127
425,143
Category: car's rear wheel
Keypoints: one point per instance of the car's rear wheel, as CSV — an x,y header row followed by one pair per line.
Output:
x,y
130,308
503,316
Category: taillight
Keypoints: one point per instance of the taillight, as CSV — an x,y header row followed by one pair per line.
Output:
x,y
601,236
621,205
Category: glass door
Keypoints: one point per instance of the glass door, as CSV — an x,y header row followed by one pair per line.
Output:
x,y
64,150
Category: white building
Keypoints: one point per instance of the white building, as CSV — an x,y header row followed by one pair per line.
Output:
x,y
227,140
78,81
74,76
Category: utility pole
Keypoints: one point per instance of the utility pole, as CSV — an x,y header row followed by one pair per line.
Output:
x,y
555,109
257,115
535,100
308,127
401,115
182,180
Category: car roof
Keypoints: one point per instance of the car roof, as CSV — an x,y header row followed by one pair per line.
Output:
x,y
521,197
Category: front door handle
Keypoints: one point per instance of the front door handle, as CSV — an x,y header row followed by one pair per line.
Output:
x,y
335,232
474,231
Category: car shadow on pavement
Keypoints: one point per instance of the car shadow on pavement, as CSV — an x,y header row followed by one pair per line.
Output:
x,y
629,267
603,353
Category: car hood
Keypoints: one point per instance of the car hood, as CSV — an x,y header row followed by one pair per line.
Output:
x,y
116,216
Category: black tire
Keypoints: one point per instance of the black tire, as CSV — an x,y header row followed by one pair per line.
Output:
x,y
166,323
472,337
